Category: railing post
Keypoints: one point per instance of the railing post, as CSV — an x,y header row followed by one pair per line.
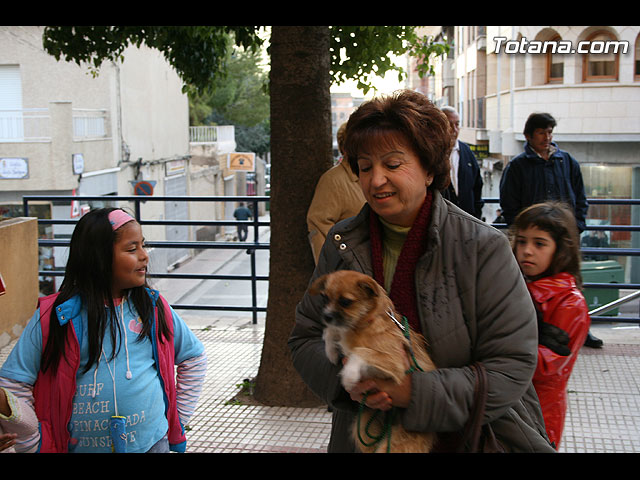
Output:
x,y
256,238
137,210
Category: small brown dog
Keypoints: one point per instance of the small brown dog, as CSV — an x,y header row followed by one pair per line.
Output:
x,y
362,324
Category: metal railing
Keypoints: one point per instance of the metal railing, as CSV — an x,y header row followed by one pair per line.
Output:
x,y
34,124
251,247
596,314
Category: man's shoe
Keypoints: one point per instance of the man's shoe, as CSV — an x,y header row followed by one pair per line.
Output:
x,y
593,342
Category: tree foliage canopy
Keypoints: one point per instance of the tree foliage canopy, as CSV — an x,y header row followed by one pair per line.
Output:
x,y
199,53
357,52
238,98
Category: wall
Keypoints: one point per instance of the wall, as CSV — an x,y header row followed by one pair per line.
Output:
x,y
19,269
585,111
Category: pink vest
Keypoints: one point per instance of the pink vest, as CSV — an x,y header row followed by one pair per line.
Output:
x,y
53,392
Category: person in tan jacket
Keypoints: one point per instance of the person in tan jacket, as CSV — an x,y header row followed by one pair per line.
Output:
x,y
337,196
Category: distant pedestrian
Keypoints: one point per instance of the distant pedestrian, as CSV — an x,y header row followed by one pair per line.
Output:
x,y
242,213
542,173
596,239
465,189
546,244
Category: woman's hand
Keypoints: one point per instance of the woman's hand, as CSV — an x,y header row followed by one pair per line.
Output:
x,y
382,394
399,393
376,399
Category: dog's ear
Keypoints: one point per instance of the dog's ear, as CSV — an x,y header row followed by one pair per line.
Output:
x,y
369,287
318,285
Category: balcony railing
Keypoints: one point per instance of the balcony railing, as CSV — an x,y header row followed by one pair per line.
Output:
x,y
212,134
27,125
89,123
34,124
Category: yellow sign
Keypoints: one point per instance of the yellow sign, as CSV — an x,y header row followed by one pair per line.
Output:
x,y
244,162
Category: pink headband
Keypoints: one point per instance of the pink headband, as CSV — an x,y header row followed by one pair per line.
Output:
x,y
118,217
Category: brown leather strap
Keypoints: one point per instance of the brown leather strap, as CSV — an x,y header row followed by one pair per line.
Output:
x,y
474,431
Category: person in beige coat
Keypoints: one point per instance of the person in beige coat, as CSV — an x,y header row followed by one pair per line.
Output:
x,y
337,196
454,278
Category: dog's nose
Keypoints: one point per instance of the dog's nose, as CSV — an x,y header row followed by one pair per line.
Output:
x,y
330,316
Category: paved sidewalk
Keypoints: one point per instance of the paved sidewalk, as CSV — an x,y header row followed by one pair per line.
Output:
x,y
603,414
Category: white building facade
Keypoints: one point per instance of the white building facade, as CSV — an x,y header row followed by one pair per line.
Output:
x,y
64,131
587,77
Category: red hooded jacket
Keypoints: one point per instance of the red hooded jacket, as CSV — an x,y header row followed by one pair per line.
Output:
x,y
563,305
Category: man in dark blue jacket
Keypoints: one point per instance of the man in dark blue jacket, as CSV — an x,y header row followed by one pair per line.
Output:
x,y
242,213
543,172
465,189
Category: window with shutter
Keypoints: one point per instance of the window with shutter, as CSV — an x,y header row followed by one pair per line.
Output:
x,y
11,124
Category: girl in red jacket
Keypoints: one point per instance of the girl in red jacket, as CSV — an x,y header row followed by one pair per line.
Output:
x,y
546,244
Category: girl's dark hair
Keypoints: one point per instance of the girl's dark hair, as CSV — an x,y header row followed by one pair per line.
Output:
x,y
558,220
88,274
412,115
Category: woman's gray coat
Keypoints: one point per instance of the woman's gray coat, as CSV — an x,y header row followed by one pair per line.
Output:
x,y
473,305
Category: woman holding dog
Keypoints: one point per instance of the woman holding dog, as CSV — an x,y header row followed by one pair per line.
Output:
x,y
452,276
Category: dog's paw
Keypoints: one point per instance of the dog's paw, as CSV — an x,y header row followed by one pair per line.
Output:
x,y
333,352
331,345
352,372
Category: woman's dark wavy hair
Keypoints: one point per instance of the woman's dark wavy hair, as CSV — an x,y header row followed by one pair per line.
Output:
x,y
88,274
558,220
412,115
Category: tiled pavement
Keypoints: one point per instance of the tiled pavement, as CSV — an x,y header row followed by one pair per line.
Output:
x,y
221,425
603,414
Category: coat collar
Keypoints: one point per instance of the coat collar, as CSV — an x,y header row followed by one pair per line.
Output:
x,y
71,308
532,154
351,236
545,288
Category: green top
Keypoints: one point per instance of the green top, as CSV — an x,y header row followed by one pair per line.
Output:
x,y
393,238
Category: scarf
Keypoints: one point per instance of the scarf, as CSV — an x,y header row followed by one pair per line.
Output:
x,y
403,286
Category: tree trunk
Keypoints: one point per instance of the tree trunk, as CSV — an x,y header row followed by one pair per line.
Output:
x,y
300,153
